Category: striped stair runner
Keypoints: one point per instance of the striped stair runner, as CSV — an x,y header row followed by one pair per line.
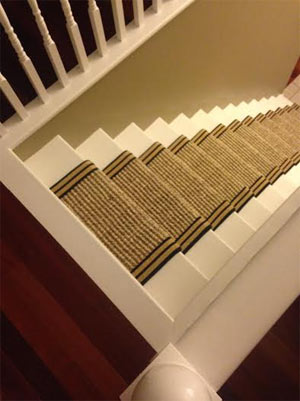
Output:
x,y
140,244
282,128
236,192
245,174
160,201
207,200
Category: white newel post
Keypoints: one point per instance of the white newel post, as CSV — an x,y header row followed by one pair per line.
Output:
x,y
97,26
49,44
75,35
25,61
170,377
119,19
12,97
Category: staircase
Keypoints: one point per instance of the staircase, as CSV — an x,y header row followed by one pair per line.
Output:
x,y
179,223
144,218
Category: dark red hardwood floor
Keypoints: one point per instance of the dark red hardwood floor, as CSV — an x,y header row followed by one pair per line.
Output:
x,y
61,336
62,339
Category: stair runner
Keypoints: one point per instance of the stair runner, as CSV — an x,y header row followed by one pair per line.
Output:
x,y
170,167
139,243
147,209
158,200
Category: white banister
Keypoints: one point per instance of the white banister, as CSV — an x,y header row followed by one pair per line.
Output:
x,y
49,44
12,97
75,35
119,19
156,4
25,61
98,67
97,26
138,11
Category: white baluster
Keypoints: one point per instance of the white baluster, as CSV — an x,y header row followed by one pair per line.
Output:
x,y
96,22
75,35
138,11
12,97
23,58
118,13
156,4
49,44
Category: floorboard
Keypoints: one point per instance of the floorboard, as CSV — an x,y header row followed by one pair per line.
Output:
x,y
271,371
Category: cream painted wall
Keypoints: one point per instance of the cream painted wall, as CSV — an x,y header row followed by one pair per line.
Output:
x,y
215,52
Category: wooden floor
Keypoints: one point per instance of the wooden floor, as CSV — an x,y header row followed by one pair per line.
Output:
x,y
62,339
271,371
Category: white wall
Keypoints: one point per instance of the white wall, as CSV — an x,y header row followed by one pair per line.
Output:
x,y
215,52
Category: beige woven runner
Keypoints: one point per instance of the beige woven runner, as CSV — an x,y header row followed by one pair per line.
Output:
x,y
201,163
292,111
264,122
283,119
160,201
290,114
276,141
236,168
210,204
293,119
141,245
287,123
261,155
283,132
296,114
